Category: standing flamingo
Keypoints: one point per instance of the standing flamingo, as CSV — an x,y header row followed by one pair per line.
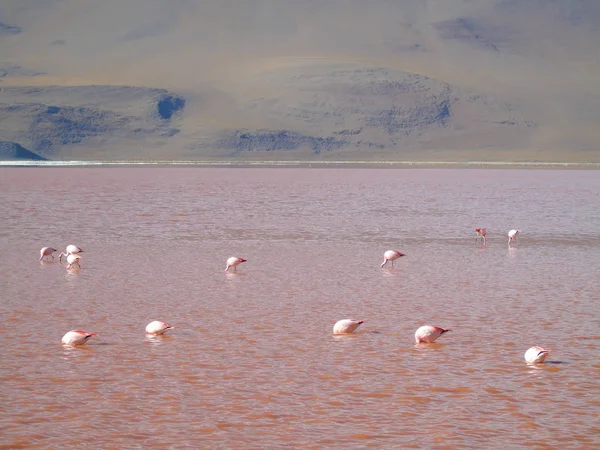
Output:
x,y
157,328
73,259
429,334
391,255
536,355
47,251
70,250
512,236
346,326
76,337
234,261
481,232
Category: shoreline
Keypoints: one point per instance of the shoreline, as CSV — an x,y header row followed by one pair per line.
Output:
x,y
315,164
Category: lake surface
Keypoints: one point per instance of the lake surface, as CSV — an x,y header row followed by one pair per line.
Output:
x,y
252,362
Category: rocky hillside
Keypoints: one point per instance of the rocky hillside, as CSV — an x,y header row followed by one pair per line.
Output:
x,y
56,120
368,111
438,80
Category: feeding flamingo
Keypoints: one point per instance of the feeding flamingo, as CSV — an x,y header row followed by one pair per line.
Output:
x,y
47,251
234,261
536,355
76,337
157,328
70,250
481,232
512,235
346,326
73,259
391,255
429,333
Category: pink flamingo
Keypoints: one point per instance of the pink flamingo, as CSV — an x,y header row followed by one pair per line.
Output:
x,y
429,334
536,355
73,258
391,255
157,328
47,251
346,326
234,261
481,232
512,236
76,337
71,250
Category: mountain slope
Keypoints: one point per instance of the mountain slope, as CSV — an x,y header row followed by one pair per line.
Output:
x,y
340,79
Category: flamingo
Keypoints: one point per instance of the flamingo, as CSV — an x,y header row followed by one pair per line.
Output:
x,y
512,235
346,326
481,232
76,337
73,259
429,334
70,250
157,328
47,251
391,255
234,261
536,355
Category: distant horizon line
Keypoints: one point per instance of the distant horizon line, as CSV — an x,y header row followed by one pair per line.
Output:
x,y
245,163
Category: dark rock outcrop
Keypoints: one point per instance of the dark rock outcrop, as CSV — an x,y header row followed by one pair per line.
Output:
x,y
274,140
410,120
12,150
169,105
9,70
57,126
482,33
7,30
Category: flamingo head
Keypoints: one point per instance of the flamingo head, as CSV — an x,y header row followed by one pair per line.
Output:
x,y
442,330
87,335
